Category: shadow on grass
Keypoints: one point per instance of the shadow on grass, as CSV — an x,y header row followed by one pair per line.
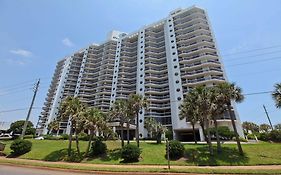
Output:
x,y
201,156
111,155
62,155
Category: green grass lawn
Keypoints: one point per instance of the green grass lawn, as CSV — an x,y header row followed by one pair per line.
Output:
x,y
255,154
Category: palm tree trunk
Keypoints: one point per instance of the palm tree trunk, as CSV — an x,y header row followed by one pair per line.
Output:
x,y
137,132
122,134
194,135
203,130
77,143
235,129
219,150
209,139
70,140
128,132
89,144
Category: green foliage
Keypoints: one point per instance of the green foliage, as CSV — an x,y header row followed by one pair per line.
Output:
x,y
20,147
250,126
98,147
83,136
169,134
2,146
17,126
74,157
64,136
51,137
277,126
130,153
28,136
176,149
224,132
275,135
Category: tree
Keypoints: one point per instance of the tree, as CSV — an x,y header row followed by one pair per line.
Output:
x,y
93,117
203,102
265,127
217,110
250,126
118,112
229,92
17,126
154,128
54,126
276,94
190,112
72,109
278,126
136,104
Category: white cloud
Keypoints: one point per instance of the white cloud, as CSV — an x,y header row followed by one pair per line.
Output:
x,y
22,52
16,61
67,42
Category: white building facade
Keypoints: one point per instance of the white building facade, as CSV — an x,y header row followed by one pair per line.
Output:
x,y
161,61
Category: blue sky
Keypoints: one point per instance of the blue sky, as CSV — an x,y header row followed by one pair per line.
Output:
x,y
34,35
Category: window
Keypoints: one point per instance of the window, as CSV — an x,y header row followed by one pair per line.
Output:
x,y
174,53
172,41
141,63
141,57
141,69
171,30
174,59
141,82
179,98
175,66
173,47
176,74
171,35
140,89
178,89
177,81
170,25
141,75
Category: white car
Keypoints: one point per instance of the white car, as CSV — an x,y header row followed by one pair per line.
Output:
x,y
39,138
5,137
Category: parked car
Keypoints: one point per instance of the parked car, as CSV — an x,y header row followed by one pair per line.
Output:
x,y
5,137
39,138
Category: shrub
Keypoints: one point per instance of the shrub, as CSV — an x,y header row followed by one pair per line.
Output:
x,y
224,132
28,137
263,136
51,137
130,153
20,147
2,146
275,135
98,147
169,135
64,136
176,149
83,136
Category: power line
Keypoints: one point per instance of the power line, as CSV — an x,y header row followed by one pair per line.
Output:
x,y
258,93
251,56
248,51
257,61
19,109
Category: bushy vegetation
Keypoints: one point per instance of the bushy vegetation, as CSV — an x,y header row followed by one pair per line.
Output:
x,y
224,132
17,126
98,147
176,150
20,147
274,136
130,153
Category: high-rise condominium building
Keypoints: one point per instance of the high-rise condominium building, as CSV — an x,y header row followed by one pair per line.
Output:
x,y
161,61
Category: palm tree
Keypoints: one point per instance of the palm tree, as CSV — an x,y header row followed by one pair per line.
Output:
x,y
71,109
189,111
54,126
136,104
118,112
154,127
230,92
204,103
93,117
149,124
217,109
276,94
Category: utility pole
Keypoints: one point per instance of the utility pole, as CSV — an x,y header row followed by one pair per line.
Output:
x,y
30,108
267,117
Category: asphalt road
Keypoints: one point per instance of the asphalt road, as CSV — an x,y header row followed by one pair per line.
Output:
x,y
13,170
